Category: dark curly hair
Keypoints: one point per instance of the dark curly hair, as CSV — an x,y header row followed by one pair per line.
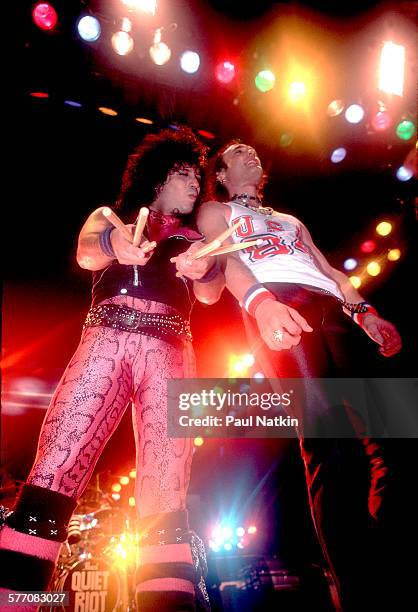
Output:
x,y
213,189
150,164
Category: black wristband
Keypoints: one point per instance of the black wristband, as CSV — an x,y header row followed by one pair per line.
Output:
x,y
105,243
211,273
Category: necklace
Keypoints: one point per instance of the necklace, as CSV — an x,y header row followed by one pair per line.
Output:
x,y
244,199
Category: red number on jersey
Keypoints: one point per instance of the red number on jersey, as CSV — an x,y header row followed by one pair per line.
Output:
x,y
246,228
272,246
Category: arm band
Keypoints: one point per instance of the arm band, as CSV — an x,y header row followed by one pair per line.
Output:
x,y
254,296
366,309
105,244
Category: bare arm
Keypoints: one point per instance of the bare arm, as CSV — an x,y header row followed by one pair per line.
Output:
x,y
379,330
89,253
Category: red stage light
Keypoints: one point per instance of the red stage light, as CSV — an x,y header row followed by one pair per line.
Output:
x,y
368,246
45,16
225,72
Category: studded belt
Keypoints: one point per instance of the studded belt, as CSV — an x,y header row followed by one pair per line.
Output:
x,y
171,328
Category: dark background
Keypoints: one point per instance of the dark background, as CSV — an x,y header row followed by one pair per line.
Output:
x,y
66,161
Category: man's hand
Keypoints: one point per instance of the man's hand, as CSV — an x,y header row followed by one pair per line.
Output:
x,y
126,253
273,316
192,268
383,333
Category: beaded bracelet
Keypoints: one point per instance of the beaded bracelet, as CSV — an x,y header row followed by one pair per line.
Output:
x,y
254,296
211,274
105,243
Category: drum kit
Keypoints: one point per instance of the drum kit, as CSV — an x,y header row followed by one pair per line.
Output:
x,y
97,562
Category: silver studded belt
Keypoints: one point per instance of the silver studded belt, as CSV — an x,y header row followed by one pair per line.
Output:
x,y
171,328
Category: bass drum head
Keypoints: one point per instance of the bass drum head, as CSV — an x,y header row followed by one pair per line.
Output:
x,y
93,586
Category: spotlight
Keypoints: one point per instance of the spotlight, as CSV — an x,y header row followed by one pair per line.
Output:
x,y
335,108
107,111
198,441
89,28
240,531
404,174
131,502
146,6
355,281
116,496
354,113
190,62
252,529
373,268
248,360
296,91
286,140
265,80
45,16
116,488
338,155
368,246
144,120
384,228
405,130
350,264
392,68
124,480
394,254
160,52
122,42
225,72
381,121
132,474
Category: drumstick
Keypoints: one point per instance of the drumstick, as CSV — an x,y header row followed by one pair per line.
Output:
x,y
208,248
236,247
140,224
114,219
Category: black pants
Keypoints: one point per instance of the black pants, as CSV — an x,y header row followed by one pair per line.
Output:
x,y
350,484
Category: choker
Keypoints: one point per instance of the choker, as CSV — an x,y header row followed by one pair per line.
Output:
x,y
245,200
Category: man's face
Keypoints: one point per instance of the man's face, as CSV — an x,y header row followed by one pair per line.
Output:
x,y
242,165
179,192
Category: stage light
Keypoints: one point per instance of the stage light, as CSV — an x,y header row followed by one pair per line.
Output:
x,y
381,121
226,533
286,140
190,62
116,496
213,546
405,130
122,42
225,72
350,264
198,441
107,111
73,103
394,254
89,28
240,544
240,531
116,487
144,120
296,91
404,174
228,546
146,6
265,80
335,108
206,134
384,228
216,533
355,281
131,502
160,52
124,480
259,376
238,367
373,268
338,155
248,360
132,474
368,246
252,529
392,68
45,16
354,113
39,94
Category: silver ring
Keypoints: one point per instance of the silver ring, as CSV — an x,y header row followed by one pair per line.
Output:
x,y
278,335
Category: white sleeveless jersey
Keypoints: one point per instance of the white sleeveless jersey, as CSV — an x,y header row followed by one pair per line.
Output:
x,y
283,257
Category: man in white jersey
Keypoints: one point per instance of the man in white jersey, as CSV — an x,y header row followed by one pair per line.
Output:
x,y
302,306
